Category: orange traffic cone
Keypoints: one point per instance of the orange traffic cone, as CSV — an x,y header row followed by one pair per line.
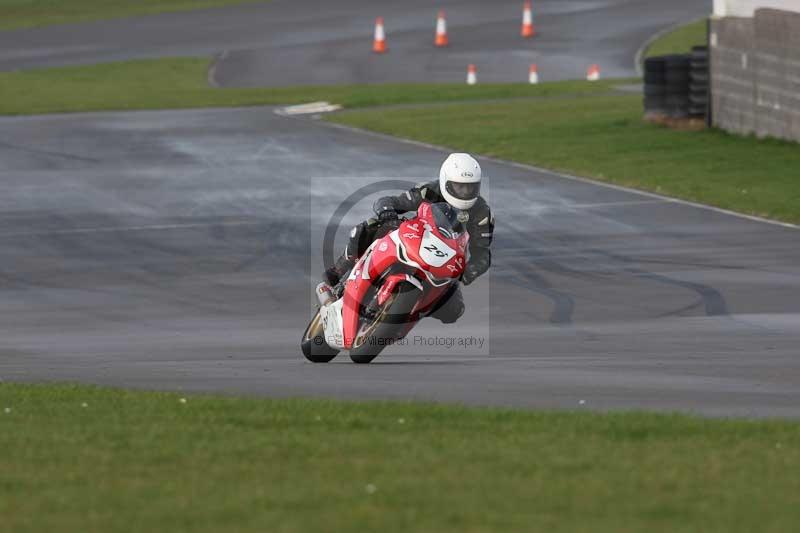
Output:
x,y
593,73
472,75
527,20
379,44
441,30
533,75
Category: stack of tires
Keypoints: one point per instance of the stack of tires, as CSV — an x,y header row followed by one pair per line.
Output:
x,y
698,82
676,86
655,81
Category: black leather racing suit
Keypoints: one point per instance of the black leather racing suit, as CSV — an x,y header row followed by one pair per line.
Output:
x,y
479,225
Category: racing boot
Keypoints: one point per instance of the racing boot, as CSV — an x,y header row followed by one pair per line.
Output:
x,y
333,274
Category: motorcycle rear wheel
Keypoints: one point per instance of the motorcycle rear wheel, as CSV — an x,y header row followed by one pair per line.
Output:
x,y
313,343
383,333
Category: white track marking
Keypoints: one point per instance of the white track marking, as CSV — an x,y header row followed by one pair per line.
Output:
x,y
638,58
571,177
212,69
308,109
608,204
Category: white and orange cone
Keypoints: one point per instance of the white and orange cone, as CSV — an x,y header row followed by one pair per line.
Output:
x,y
533,74
379,43
472,75
593,73
441,30
527,20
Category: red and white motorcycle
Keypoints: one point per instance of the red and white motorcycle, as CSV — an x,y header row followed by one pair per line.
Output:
x,y
401,278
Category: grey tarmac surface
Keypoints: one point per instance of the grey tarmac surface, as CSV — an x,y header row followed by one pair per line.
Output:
x,y
171,250
177,250
285,42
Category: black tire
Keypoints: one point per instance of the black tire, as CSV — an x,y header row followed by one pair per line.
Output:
x,y
679,61
699,53
678,113
675,103
313,343
677,70
654,64
677,79
654,106
698,88
677,93
694,109
698,99
655,90
387,331
677,107
654,78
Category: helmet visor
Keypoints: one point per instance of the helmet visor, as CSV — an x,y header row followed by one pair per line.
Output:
x,y
463,191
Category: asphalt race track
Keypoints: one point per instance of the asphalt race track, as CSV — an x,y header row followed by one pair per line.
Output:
x,y
170,250
178,249
286,42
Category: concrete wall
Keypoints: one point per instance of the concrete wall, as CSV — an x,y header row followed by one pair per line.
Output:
x,y
747,8
755,73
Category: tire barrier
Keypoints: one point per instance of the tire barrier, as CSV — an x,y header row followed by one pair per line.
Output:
x,y
676,85
655,104
698,82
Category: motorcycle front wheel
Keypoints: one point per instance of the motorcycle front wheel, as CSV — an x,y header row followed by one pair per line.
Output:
x,y
313,343
387,326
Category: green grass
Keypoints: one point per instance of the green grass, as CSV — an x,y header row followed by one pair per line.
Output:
x,y
182,82
603,136
15,14
680,40
142,461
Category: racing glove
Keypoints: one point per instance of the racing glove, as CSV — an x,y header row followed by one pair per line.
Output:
x,y
388,217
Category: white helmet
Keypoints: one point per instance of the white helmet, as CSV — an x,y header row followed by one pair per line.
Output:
x,y
460,180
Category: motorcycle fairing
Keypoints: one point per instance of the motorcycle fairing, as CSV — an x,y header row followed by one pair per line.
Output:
x,y
416,248
429,249
332,324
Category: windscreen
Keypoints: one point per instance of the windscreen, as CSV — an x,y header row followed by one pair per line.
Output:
x,y
446,217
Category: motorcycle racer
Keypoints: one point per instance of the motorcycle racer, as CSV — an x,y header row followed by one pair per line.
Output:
x,y
458,185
